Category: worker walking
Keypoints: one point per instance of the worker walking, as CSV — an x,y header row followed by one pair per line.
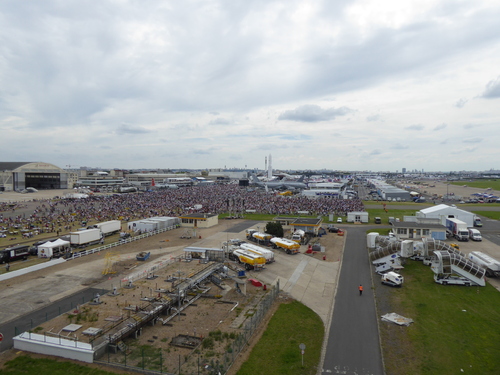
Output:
x,y
360,288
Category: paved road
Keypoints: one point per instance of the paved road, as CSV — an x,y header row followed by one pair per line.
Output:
x,y
353,345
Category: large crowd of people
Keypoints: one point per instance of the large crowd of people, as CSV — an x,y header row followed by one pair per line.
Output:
x,y
64,215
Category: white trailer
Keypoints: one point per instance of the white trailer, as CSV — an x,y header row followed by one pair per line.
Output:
x,y
109,227
491,265
266,253
85,237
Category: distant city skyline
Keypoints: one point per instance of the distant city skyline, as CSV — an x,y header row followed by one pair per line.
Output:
x,y
358,85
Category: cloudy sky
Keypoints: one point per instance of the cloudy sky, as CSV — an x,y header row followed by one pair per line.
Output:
x,y
356,85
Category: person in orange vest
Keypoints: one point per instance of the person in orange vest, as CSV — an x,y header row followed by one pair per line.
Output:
x,y
360,288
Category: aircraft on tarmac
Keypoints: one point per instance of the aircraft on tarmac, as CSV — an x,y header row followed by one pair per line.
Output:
x,y
278,185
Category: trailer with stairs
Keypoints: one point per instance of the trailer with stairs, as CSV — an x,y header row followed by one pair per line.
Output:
x,y
454,268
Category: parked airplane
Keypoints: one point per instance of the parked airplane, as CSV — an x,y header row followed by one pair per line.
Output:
x,y
278,185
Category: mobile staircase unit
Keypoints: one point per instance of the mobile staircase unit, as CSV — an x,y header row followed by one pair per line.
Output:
x,y
387,258
454,268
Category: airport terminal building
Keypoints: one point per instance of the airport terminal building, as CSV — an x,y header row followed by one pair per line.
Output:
x,y
20,175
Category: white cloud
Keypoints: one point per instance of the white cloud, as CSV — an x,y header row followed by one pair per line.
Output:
x,y
226,79
415,127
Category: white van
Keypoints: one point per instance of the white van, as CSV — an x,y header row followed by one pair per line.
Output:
x,y
475,235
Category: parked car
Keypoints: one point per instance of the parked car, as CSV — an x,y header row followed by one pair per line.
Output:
x,y
332,229
339,220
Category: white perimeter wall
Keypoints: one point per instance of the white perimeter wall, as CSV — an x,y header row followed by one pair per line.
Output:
x,y
55,346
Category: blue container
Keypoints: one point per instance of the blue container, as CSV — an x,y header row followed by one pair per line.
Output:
x,y
241,273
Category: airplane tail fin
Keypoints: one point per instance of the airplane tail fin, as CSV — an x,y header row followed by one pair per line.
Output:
x,y
301,179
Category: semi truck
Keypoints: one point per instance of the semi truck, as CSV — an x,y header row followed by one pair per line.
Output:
x,y
14,253
491,265
109,227
457,228
289,246
259,237
266,253
475,235
298,236
85,237
251,260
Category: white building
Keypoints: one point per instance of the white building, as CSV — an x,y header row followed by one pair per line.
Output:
x,y
443,211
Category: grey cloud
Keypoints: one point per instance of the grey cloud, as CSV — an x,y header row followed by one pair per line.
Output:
x,y
313,113
492,90
461,103
127,129
471,126
399,146
375,152
415,127
373,118
473,140
272,146
441,126
219,121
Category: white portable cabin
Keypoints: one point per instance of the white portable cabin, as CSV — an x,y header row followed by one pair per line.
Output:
x,y
357,217
166,221
143,226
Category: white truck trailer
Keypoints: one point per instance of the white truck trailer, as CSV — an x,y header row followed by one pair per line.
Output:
x,y
457,228
491,265
85,237
109,227
266,253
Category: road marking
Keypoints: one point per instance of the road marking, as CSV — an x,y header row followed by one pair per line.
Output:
x,y
296,274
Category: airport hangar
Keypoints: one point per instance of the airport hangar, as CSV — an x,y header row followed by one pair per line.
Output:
x,y
20,175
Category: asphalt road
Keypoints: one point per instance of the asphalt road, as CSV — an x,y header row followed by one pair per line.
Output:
x,y
353,345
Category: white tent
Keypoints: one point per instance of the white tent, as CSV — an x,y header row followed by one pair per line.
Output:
x,y
48,249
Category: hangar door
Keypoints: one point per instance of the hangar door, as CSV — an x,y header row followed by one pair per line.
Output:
x,y
43,180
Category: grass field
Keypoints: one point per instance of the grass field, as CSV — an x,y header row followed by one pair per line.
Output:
x,y
277,352
385,215
456,329
27,365
489,214
480,184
